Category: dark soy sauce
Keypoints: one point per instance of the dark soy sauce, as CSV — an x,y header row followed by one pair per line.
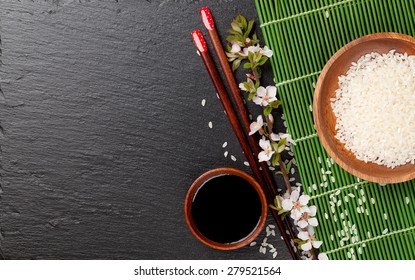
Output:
x,y
226,209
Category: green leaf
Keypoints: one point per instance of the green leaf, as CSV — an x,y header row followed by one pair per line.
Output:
x,y
251,96
251,56
282,142
230,39
281,145
247,65
278,173
274,146
276,104
233,32
235,26
259,72
267,110
277,203
262,60
275,158
242,21
283,215
272,207
288,166
254,39
249,28
235,64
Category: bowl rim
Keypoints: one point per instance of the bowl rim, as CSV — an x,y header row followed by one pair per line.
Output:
x,y
212,174
317,104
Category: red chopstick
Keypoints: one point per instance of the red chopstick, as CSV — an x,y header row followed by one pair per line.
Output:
x,y
236,126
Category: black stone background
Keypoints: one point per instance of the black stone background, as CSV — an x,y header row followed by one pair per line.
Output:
x,y
102,128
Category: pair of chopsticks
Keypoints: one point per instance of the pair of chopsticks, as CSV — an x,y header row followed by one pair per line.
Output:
x,y
249,144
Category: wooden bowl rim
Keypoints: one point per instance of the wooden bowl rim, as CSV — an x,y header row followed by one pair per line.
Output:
x,y
212,174
318,117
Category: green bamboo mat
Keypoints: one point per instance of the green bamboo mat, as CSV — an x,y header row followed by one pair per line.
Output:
x,y
358,219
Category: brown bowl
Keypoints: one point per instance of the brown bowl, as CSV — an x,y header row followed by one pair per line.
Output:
x,y
192,192
325,119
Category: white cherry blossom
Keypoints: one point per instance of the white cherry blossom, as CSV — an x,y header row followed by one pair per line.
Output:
x,y
296,204
250,87
279,136
308,218
310,238
266,51
236,48
265,95
255,126
322,257
252,49
267,151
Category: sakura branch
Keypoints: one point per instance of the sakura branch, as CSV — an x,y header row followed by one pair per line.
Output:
x,y
245,50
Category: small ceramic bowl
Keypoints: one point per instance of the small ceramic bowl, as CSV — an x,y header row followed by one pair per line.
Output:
x,y
325,119
198,183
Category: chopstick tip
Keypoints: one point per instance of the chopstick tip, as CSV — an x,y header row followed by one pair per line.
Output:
x,y
207,18
199,40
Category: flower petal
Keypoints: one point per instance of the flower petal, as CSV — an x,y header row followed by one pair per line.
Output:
x,y
295,214
287,204
257,100
271,91
254,127
266,51
303,235
310,230
294,195
265,144
313,222
236,48
313,210
317,244
322,257
263,156
306,246
304,199
242,87
304,209
261,91
274,137
302,223
260,120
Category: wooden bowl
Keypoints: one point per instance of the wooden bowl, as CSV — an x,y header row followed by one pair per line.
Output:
x,y
325,119
192,192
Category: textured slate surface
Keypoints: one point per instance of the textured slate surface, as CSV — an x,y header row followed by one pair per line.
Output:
x,y
102,128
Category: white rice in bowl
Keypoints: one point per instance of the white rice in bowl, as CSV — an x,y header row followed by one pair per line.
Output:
x,y
375,109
